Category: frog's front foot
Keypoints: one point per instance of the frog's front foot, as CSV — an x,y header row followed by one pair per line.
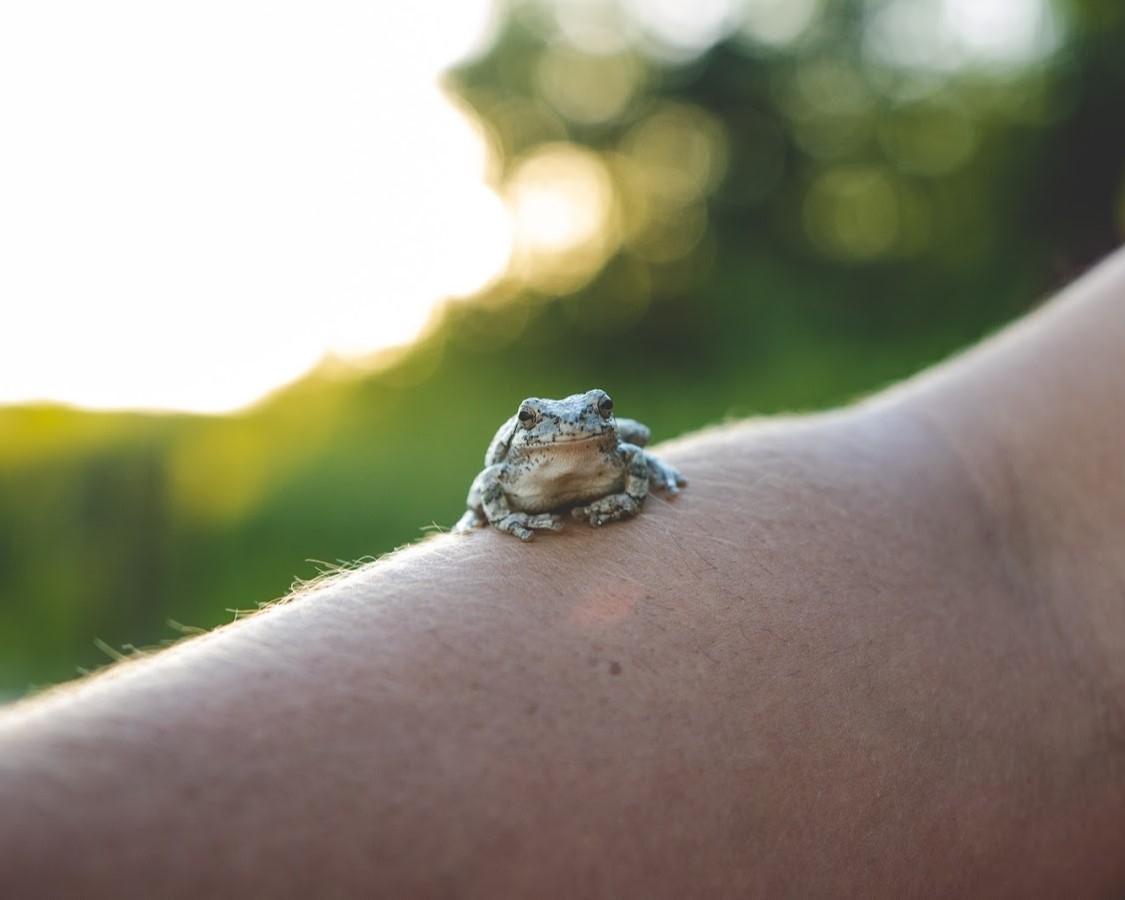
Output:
x,y
522,524
608,509
663,475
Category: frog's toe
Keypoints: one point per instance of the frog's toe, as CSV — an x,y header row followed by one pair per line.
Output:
x,y
668,477
521,524
601,518
608,509
545,522
513,525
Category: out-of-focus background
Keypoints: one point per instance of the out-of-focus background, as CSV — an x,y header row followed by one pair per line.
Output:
x,y
272,275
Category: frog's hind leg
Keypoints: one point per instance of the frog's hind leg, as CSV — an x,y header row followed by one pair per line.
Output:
x,y
474,516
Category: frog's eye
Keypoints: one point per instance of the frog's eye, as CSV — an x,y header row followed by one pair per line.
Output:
x,y
527,416
605,407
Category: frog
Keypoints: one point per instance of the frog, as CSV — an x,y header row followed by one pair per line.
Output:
x,y
570,455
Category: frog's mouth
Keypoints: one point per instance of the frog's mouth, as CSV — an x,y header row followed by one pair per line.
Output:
x,y
604,437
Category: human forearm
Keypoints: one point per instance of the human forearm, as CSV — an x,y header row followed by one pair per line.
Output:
x,y
806,672
1037,417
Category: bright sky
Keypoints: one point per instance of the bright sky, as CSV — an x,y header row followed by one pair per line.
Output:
x,y
199,200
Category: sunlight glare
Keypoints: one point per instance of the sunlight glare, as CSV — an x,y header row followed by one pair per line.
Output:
x,y
198,203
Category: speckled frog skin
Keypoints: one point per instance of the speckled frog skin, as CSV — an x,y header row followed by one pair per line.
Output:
x,y
559,455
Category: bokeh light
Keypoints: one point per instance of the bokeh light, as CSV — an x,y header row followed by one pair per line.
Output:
x,y
670,161
563,207
948,35
853,212
672,31
934,136
776,23
588,88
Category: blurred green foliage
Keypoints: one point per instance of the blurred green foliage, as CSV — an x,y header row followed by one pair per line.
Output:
x,y
786,225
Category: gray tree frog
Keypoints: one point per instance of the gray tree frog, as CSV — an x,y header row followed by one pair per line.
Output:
x,y
555,455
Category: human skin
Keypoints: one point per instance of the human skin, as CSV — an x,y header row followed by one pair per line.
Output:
x,y
877,652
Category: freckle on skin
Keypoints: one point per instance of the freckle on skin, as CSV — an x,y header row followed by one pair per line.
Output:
x,y
615,668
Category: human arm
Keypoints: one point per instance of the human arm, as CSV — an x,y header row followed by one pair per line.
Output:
x,y
831,664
